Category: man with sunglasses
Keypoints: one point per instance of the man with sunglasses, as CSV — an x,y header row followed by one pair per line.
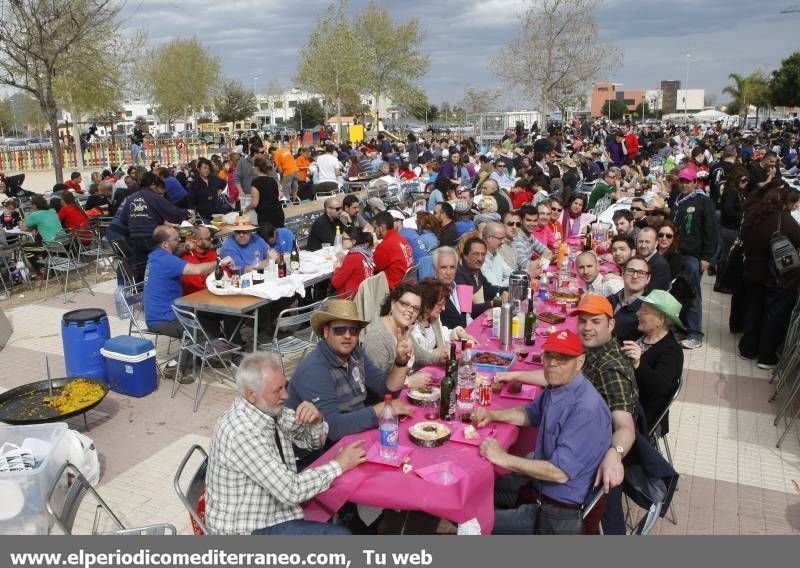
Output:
x,y
500,175
340,379
574,433
639,210
323,230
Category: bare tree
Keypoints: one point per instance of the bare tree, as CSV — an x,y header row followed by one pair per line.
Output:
x,y
44,43
477,100
557,52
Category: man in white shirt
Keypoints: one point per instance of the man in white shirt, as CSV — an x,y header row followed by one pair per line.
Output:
x,y
329,169
588,268
496,268
500,175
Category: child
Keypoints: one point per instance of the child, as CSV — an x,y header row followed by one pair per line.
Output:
x,y
11,215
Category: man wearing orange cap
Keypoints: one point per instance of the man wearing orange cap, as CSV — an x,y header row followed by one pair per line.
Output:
x,y
574,433
613,376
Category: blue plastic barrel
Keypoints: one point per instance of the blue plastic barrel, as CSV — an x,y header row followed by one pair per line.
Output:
x,y
83,334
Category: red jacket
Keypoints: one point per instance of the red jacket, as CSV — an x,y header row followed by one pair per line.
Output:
x,y
394,257
349,276
196,282
73,217
632,144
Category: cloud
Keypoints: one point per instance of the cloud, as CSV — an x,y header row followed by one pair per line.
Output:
x,y
262,37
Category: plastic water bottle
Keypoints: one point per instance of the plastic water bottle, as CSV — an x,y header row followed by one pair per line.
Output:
x,y
466,384
389,430
119,304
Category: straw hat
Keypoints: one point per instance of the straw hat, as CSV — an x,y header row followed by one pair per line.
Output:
x,y
345,310
569,162
243,224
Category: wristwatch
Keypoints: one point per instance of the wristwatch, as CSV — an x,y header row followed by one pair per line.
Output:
x,y
620,450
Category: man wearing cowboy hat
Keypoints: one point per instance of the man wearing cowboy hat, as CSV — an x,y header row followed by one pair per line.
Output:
x,y
243,245
574,433
339,378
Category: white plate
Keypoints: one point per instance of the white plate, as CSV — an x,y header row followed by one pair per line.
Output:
x,y
12,499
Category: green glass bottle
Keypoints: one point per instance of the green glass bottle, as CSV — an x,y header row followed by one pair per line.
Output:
x,y
530,322
447,389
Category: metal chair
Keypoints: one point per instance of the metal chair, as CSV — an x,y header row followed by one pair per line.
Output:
x,y
195,490
134,304
91,247
592,511
288,320
411,274
124,268
60,260
656,434
196,342
64,510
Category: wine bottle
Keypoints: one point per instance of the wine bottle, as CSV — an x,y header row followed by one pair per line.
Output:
x,y
587,243
530,322
497,302
219,276
447,393
281,266
294,258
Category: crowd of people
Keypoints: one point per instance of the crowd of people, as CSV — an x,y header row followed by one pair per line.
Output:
x,y
687,202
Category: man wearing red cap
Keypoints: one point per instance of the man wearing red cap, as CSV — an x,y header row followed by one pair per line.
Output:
x,y
574,433
613,376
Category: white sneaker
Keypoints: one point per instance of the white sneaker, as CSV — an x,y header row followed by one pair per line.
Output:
x,y
766,366
691,343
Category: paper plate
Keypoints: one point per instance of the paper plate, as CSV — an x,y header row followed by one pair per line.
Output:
x,y
458,436
444,473
12,499
528,392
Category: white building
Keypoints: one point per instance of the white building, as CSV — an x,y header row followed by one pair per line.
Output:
x,y
692,99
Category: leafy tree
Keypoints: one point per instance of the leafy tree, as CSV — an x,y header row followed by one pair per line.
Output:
x,y
615,109
330,61
785,82
234,102
557,51
47,47
179,78
309,113
752,89
393,61
648,112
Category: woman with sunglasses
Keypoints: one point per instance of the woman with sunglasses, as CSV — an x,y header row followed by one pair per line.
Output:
x,y
667,245
399,313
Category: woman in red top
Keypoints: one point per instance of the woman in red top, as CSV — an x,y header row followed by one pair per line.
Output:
x,y
357,265
71,215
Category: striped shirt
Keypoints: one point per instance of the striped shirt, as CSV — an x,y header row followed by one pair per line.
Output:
x,y
525,246
249,484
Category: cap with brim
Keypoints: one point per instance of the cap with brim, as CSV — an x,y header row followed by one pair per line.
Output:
x,y
687,174
243,224
397,215
569,163
594,305
666,303
564,342
376,203
342,310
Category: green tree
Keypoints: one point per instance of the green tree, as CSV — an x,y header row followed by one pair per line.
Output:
x,y
752,89
393,62
615,109
48,46
648,112
234,102
330,60
179,78
308,114
784,84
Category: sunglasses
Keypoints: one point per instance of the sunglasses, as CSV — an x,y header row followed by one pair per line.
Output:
x,y
636,209
341,330
665,235
557,210
335,208
514,224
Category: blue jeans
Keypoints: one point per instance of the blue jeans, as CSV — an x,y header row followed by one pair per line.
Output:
x,y
694,313
299,527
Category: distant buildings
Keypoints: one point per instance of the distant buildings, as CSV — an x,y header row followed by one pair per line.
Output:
x,y
669,99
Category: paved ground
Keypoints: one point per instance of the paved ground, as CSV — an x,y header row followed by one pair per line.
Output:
x,y
734,480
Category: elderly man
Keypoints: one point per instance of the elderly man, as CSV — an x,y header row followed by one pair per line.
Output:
x,y
525,243
394,255
587,266
469,272
500,196
612,375
501,258
660,273
245,246
339,377
636,278
500,175
445,263
199,251
252,483
695,217
574,433
323,230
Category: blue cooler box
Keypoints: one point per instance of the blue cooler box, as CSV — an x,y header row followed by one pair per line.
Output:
x,y
131,365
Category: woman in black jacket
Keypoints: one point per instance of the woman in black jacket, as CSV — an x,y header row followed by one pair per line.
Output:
x,y
769,300
657,356
668,244
204,190
730,216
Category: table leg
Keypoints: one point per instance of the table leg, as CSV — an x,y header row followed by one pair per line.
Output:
x,y
255,331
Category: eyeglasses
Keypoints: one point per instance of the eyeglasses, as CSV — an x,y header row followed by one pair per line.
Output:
x,y
556,209
175,238
341,330
636,273
513,224
665,235
498,237
406,306
335,208
557,358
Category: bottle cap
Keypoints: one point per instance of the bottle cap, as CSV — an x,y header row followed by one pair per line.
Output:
x,y
387,398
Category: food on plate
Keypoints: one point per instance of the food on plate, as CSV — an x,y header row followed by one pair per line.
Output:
x,y
566,297
429,434
470,433
487,358
424,395
515,387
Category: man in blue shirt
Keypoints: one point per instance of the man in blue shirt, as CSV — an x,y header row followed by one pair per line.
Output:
x,y
574,434
339,378
243,245
281,240
162,282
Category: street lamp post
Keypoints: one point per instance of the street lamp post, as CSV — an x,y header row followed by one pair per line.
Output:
x,y
686,92
255,79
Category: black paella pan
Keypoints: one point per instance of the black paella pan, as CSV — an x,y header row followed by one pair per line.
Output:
x,y
26,405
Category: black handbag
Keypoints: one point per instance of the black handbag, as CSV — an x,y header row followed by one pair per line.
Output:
x,y
552,519
734,268
784,260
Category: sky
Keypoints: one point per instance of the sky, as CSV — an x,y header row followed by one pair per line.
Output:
x,y
261,38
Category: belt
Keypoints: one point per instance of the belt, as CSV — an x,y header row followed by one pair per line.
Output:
x,y
539,498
